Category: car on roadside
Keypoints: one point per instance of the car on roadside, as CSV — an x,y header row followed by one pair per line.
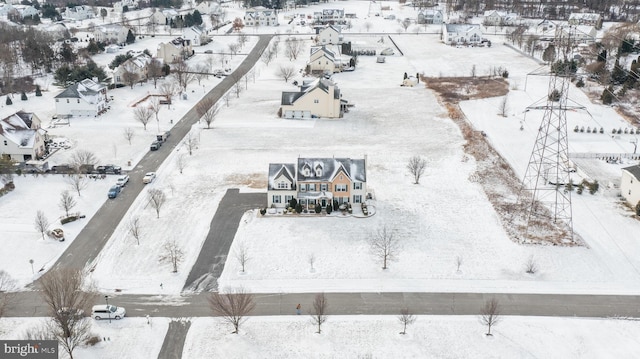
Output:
x,y
208,52
149,177
114,191
109,169
122,180
103,311
155,145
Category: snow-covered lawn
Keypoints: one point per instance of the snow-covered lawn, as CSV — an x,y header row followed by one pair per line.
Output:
x,y
429,337
126,338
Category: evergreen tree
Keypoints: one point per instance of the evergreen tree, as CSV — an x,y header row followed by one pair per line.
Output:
x,y
197,18
131,38
38,92
23,96
607,96
638,209
9,102
618,75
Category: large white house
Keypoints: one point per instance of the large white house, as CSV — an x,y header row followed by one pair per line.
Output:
x,y
261,16
592,19
316,98
430,16
21,137
85,98
630,185
317,182
329,17
79,12
111,33
330,35
196,34
461,34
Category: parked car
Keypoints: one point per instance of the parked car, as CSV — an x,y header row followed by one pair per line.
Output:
x,y
107,311
122,180
149,177
162,137
62,169
114,191
155,145
208,52
109,169
219,73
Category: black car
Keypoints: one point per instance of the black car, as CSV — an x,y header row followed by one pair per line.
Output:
x,y
109,169
155,145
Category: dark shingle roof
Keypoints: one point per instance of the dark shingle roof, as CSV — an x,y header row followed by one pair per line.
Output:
x,y
353,168
285,169
634,170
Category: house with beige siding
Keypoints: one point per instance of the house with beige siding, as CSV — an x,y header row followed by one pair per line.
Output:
x,y
316,98
317,182
175,49
323,60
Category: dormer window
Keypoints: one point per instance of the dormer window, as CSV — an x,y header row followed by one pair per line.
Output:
x,y
318,171
283,185
306,171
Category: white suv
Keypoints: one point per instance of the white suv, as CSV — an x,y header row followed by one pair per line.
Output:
x,y
107,311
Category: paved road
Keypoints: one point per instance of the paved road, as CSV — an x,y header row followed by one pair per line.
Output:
x,y
90,241
29,304
174,339
213,254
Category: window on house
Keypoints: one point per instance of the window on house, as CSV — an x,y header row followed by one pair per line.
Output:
x,y
57,100
311,186
341,188
316,101
78,100
306,172
357,199
67,100
323,187
5,142
276,199
287,199
283,185
357,185
303,187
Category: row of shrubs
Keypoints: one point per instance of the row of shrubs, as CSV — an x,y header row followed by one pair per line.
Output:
x,y
297,207
592,187
614,131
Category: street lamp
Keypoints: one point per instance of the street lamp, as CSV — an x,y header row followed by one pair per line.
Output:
x,y
106,298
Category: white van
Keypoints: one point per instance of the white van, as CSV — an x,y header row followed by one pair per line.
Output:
x,y
107,311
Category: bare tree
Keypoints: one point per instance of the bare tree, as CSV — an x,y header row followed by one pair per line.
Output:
x,y
134,229
503,108
201,73
66,202
8,287
406,318
312,260
319,313
232,306
128,134
156,199
172,254
405,24
416,167
83,158
155,107
183,73
293,47
242,39
531,266
473,71
384,245
233,48
227,98
458,263
490,314
154,71
267,56
168,89
286,72
129,76
191,143
77,182
143,114
222,57
242,255
208,110
182,162
367,26
275,47
41,223
237,89
67,299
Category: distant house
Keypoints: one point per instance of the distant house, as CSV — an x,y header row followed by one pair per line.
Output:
x,y
330,35
260,16
85,98
136,65
430,16
317,182
21,137
111,33
329,17
461,34
175,49
209,8
80,12
120,5
592,19
26,10
630,185
494,17
316,98
580,34
196,34
323,60
5,9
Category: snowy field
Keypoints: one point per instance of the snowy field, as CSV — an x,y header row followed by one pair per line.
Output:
x,y
128,338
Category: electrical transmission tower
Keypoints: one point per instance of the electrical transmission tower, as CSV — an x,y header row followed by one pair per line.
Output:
x,y
544,197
